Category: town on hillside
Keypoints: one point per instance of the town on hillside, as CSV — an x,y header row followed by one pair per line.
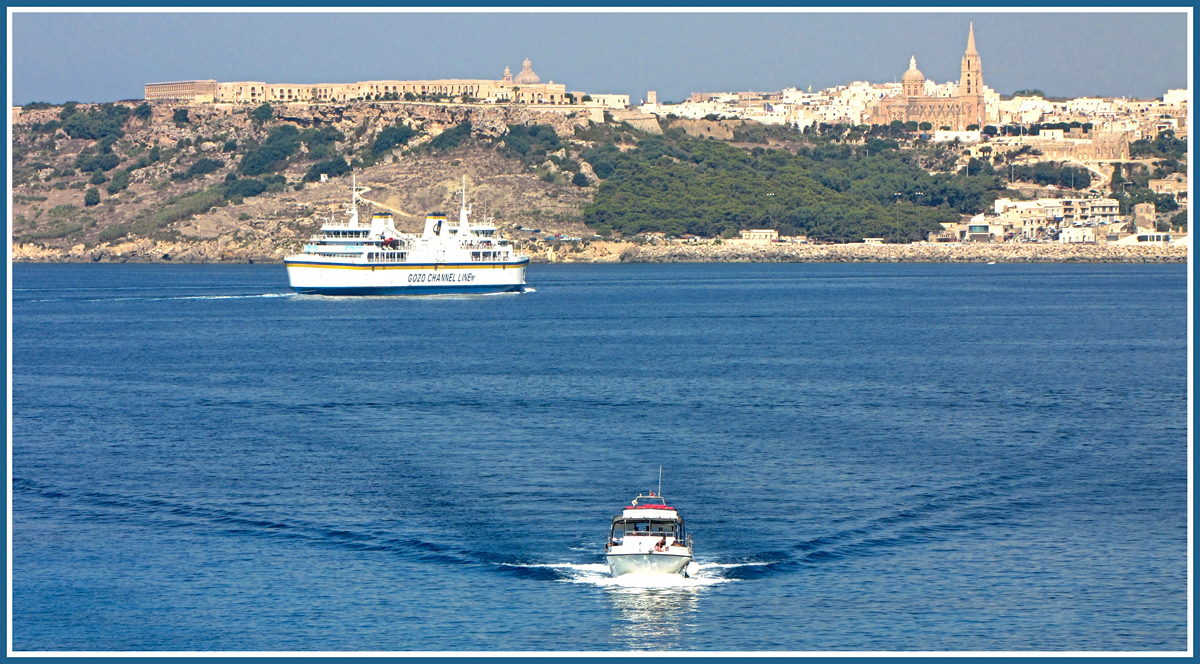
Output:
x,y
973,166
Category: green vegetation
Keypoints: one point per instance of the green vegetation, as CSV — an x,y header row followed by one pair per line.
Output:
x,y
143,112
237,189
203,166
677,185
105,121
1032,92
452,138
45,127
64,220
1052,173
119,182
97,163
1165,146
530,143
283,142
177,208
262,113
180,117
92,197
37,106
273,154
333,168
1130,185
391,137
321,143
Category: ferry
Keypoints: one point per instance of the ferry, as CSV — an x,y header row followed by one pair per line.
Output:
x,y
348,257
649,538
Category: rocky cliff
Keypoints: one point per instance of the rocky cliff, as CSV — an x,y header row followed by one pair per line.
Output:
x,y
51,220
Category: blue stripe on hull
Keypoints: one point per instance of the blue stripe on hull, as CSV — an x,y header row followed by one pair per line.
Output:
x,y
410,266
411,290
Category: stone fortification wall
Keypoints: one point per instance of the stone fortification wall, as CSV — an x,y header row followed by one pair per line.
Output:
x,y
263,248
600,252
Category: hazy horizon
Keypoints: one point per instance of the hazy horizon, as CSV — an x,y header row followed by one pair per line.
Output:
x,y
61,56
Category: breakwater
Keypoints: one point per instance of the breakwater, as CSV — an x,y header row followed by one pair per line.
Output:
x,y
228,249
678,252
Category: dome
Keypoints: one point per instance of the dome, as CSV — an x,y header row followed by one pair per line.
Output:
x,y
527,77
913,75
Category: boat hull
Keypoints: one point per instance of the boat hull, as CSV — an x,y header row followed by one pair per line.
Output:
x,y
647,563
317,278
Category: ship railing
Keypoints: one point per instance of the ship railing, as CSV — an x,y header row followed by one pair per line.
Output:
x,y
615,539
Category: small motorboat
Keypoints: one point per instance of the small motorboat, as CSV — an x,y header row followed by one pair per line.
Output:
x,y
649,538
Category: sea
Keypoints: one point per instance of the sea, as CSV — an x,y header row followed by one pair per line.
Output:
x,y
870,457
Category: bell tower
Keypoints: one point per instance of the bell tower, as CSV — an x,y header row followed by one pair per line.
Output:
x,y
970,85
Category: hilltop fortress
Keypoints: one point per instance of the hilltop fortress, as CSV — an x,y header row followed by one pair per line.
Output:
x,y
955,110
525,88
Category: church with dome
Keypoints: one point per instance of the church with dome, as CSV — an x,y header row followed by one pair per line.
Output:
x,y
954,113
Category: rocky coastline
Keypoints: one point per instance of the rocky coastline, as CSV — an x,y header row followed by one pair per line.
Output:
x,y
875,253
240,249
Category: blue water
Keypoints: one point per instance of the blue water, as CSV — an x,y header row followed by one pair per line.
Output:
x,y
870,457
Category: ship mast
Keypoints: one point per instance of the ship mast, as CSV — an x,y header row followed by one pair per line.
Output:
x,y
464,228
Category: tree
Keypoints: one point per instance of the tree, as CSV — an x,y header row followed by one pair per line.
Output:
x,y
143,112
452,138
1117,178
990,130
119,182
272,155
180,116
392,137
244,188
104,122
68,109
92,197
925,126
333,168
580,180
972,127
261,114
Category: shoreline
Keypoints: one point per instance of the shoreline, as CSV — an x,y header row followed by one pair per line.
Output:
x,y
217,252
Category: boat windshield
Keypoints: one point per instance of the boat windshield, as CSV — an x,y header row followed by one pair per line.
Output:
x,y
645,526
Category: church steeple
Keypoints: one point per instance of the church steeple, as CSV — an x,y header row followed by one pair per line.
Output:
x,y
970,86
971,83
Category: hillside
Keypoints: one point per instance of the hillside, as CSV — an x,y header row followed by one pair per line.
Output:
x,y
207,216
160,181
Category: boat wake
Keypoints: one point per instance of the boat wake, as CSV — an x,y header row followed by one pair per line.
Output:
x,y
156,298
597,574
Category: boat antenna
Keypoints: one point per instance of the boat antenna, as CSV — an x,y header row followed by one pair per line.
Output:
x,y
660,480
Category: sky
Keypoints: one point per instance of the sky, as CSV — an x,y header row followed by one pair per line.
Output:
x,y
96,57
